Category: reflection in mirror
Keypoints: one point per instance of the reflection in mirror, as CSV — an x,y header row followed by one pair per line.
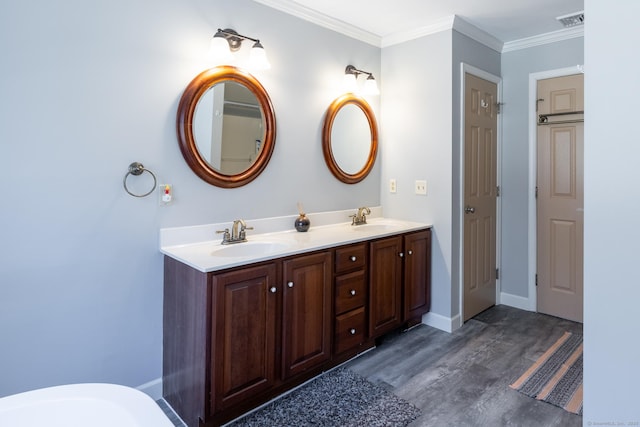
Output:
x,y
350,138
226,126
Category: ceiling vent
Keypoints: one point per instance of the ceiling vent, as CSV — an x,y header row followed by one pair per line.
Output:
x,y
572,19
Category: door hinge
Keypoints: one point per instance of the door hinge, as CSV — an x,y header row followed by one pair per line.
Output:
x,y
536,191
536,280
499,107
497,273
498,191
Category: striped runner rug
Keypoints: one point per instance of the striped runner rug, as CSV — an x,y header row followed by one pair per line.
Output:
x,y
556,377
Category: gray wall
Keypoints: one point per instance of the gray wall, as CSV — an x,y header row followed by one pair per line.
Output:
x,y
470,52
86,89
421,116
416,115
516,67
611,291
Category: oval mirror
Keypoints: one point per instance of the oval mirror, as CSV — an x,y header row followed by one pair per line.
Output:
x,y
226,126
350,138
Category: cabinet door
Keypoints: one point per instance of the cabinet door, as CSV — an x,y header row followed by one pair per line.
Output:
x,y
417,274
385,285
244,332
306,315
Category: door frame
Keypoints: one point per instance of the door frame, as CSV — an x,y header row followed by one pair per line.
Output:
x,y
533,167
458,216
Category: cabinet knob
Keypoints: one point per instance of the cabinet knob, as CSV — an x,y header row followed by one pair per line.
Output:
x,y
352,331
290,284
410,252
353,258
273,289
353,292
401,254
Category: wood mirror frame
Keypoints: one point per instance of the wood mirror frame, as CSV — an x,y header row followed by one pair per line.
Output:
x,y
329,158
186,110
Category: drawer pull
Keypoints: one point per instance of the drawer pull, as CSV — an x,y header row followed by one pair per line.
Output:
x,y
353,292
273,289
290,284
353,258
352,331
410,252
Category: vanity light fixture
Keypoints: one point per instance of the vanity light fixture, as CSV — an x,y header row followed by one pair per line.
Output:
x,y
351,74
226,41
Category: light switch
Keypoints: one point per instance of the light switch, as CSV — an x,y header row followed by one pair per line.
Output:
x,y
421,187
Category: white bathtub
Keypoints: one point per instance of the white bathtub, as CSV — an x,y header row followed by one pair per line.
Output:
x,y
82,405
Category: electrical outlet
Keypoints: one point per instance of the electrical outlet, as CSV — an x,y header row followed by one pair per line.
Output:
x,y
166,194
421,187
392,185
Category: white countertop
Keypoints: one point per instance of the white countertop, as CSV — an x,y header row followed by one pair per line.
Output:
x,y
209,255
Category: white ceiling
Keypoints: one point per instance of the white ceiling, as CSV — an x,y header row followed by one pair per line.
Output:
x,y
506,20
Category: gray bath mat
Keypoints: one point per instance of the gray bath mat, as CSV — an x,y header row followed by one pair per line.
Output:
x,y
338,398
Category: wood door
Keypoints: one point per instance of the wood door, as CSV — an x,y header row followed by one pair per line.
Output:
x,y
306,315
560,198
480,192
385,285
244,333
417,274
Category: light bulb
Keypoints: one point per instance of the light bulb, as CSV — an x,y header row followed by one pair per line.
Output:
x,y
349,83
370,86
219,52
258,57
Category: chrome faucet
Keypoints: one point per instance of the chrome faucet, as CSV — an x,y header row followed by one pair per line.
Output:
x,y
360,217
237,235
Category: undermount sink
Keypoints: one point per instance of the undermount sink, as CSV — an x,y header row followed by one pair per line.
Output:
x,y
377,226
249,249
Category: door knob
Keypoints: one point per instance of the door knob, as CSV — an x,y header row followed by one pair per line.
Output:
x,y
469,209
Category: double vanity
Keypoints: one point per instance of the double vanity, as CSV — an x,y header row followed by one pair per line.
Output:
x,y
246,322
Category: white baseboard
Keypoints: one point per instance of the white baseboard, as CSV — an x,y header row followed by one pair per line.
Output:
x,y
152,388
447,324
516,301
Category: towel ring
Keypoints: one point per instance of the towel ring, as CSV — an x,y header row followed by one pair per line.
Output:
x,y
136,169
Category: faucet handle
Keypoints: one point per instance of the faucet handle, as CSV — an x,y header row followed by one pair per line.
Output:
x,y
226,237
243,235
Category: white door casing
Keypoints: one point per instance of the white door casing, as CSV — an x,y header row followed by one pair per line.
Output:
x,y
480,225
531,302
560,197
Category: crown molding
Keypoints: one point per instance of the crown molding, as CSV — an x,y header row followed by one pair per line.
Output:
x,y
475,33
323,20
405,36
450,22
542,39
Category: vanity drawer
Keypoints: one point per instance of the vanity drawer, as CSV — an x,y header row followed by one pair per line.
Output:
x,y
350,330
351,257
350,291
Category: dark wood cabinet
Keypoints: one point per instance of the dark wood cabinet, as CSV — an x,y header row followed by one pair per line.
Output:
x,y
400,281
244,327
236,338
350,285
385,285
306,313
417,275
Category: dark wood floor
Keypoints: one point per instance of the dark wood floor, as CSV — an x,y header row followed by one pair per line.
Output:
x,y
462,378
